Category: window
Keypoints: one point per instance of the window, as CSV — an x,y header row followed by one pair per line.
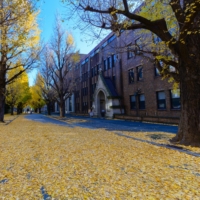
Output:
x,y
161,63
132,102
84,91
95,70
141,101
131,75
157,72
105,65
109,62
70,104
140,73
111,38
172,69
175,99
77,94
130,53
77,66
93,87
104,44
161,102
114,59
92,74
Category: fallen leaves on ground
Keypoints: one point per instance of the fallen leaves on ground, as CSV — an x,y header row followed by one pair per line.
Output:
x,y
8,118
68,120
160,138
81,163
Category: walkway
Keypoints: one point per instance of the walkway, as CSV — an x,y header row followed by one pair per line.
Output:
x,y
108,124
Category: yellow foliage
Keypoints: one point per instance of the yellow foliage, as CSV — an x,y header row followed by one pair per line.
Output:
x,y
70,40
17,90
37,100
23,33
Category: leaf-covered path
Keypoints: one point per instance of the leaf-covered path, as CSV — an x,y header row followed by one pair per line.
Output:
x,y
40,160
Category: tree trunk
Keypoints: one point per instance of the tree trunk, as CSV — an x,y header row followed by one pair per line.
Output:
x,y
19,108
62,108
189,125
2,103
49,108
11,110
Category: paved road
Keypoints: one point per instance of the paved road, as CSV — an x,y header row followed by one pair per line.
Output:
x,y
108,124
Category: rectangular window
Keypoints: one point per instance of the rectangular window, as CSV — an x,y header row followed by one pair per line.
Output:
x,y
92,73
175,99
132,102
86,91
111,38
70,104
141,101
131,75
114,59
130,53
95,70
109,62
105,65
104,44
157,72
161,100
140,73
172,69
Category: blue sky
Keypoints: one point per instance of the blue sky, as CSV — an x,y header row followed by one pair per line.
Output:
x,y
46,20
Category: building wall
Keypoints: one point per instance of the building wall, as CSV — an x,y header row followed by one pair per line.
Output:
x,y
86,75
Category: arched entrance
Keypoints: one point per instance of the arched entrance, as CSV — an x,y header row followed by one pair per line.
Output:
x,y
101,101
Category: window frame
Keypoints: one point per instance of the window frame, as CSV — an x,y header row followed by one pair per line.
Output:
x,y
158,101
109,62
130,54
156,71
141,106
105,64
129,77
138,73
114,59
172,100
132,102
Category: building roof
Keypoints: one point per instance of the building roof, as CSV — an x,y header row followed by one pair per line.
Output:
x,y
109,86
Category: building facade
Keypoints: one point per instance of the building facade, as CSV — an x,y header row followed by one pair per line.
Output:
x,y
124,82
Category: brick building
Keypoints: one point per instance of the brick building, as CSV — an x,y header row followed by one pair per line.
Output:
x,y
126,84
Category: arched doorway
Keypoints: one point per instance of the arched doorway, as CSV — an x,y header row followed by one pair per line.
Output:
x,y
101,101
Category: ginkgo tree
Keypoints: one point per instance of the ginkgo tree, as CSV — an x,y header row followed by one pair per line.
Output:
x,y
17,91
36,101
58,59
45,81
47,92
183,47
19,42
